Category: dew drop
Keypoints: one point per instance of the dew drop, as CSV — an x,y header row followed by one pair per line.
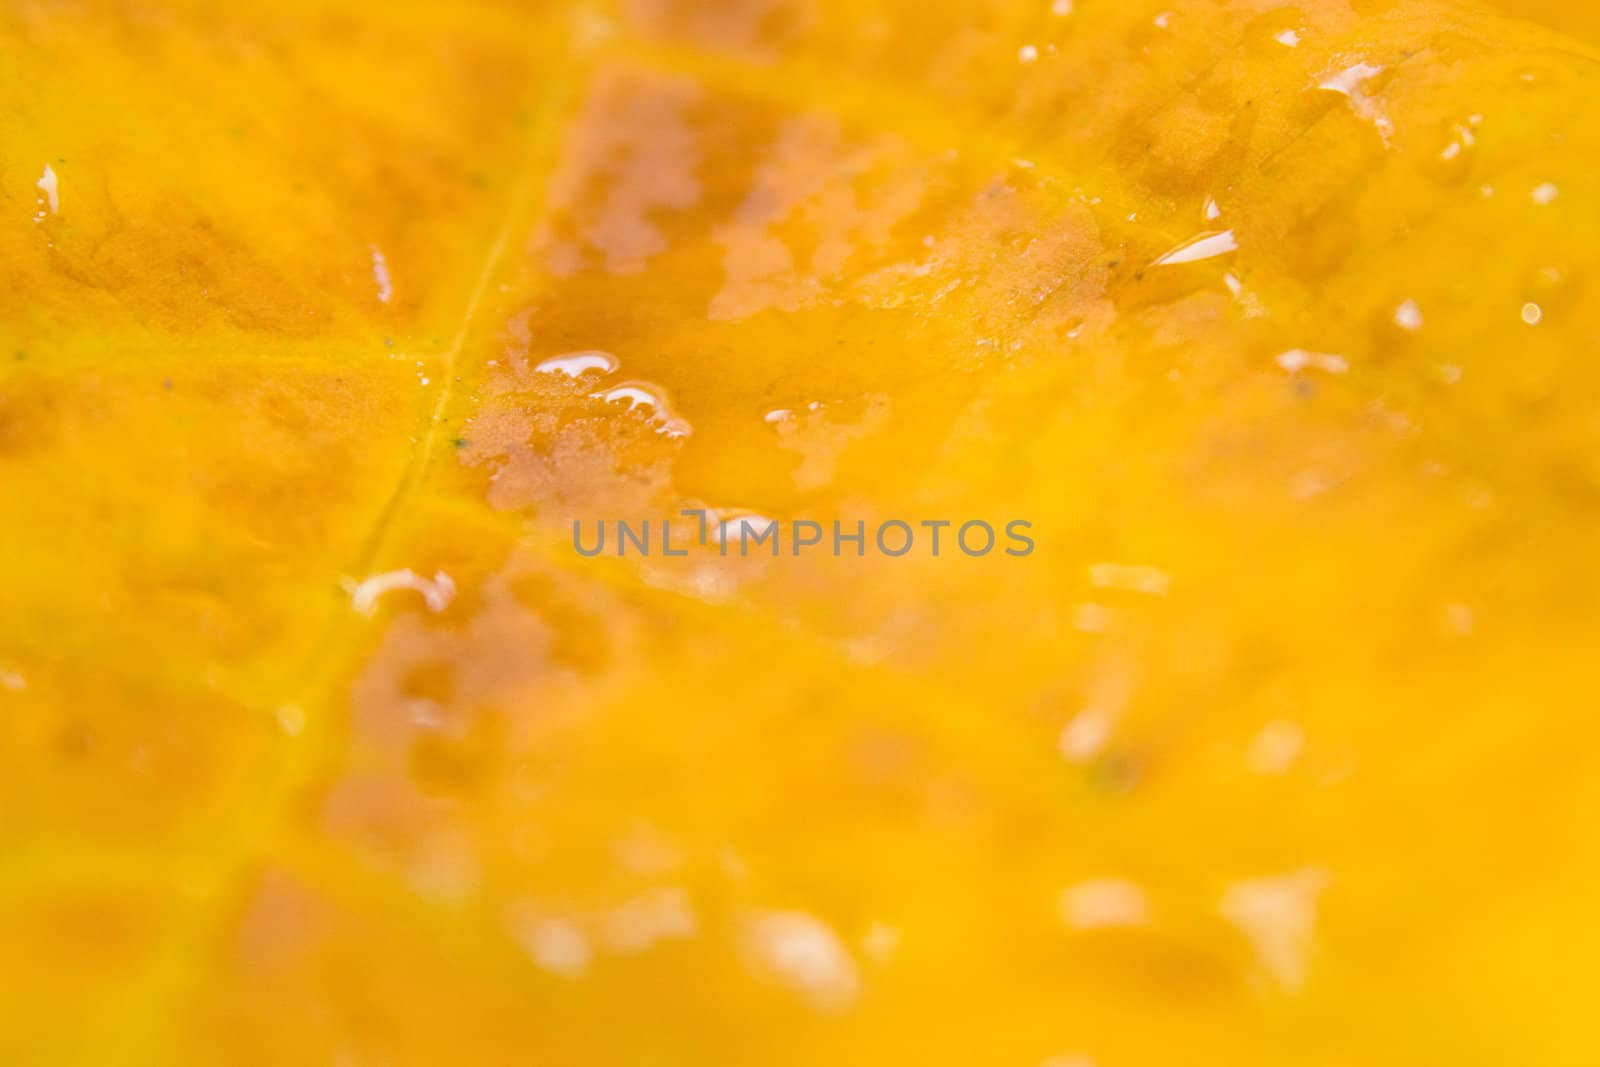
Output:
x,y
659,915
802,952
1458,619
437,592
1130,578
743,530
291,720
1247,300
1348,83
558,946
1091,618
644,394
1203,246
1027,54
1104,903
1454,160
1551,278
1532,313
577,364
1298,359
1275,749
51,188
1550,289
1545,193
380,275
635,395
1278,917
1408,316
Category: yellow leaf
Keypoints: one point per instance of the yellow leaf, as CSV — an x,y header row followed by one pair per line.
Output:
x,y
1237,357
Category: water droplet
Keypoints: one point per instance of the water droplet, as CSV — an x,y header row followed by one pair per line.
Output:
x,y
1298,359
577,364
1278,917
740,531
645,394
436,593
658,915
803,953
1550,290
380,274
633,394
291,720
1104,903
880,942
1091,618
1203,246
1027,54
556,945
1130,578
1086,736
1454,160
1458,619
50,187
1061,8
1545,193
1349,83
1408,316
1550,278
1276,747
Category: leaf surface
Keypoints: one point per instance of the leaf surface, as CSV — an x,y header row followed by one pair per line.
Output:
x,y
322,744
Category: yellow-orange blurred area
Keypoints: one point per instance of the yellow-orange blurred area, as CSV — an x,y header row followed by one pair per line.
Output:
x,y
322,323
